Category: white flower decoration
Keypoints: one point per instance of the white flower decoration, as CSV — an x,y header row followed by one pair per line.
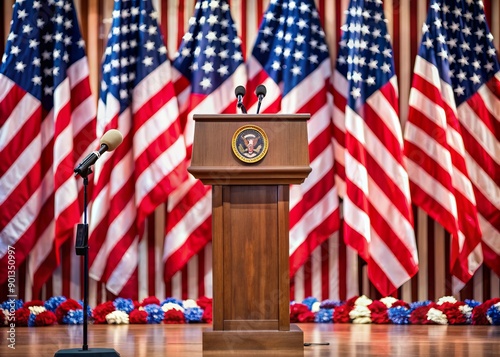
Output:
x,y
445,299
467,311
189,303
388,301
363,301
360,315
35,310
437,316
315,307
5,322
362,320
172,306
117,317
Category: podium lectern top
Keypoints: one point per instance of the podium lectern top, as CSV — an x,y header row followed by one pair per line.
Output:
x,y
214,161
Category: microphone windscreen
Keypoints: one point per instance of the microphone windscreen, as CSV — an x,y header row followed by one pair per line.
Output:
x,y
240,90
112,138
261,90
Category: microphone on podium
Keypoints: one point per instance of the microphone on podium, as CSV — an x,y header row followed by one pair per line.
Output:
x,y
261,92
109,141
240,92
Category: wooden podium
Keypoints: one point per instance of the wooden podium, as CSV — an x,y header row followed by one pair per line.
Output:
x,y
250,161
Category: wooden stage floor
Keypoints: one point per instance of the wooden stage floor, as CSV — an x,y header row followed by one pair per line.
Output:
x,y
185,340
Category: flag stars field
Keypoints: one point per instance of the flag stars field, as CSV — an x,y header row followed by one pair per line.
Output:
x,y
209,47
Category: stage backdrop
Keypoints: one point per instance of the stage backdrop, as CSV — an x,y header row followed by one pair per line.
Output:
x,y
333,270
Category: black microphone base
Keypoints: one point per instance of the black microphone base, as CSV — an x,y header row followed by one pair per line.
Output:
x,y
94,352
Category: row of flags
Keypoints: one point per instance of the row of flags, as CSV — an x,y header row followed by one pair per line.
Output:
x,y
366,172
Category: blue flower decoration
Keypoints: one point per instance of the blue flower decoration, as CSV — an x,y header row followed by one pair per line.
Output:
x,y
399,315
472,303
172,300
31,320
309,302
417,304
52,303
125,305
324,316
155,313
193,314
73,317
18,303
494,314
331,304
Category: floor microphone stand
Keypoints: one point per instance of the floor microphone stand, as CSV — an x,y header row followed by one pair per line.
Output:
x,y
82,248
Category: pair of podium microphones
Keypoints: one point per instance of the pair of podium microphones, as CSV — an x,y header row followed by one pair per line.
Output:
x,y
240,91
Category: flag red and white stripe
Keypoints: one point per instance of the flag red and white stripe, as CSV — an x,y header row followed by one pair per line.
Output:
x,y
451,137
300,86
377,213
137,98
47,126
208,72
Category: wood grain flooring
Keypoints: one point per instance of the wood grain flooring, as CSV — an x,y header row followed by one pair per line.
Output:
x,y
185,340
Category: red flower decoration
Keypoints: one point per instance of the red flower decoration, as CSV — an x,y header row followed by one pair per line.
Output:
x,y
33,303
453,314
150,300
401,303
479,312
101,311
306,317
22,316
380,317
296,310
45,318
207,314
174,316
64,308
203,302
138,317
419,316
378,312
351,302
341,314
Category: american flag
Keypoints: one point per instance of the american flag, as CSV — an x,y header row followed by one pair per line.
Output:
x,y
452,134
137,97
290,57
47,117
210,65
378,220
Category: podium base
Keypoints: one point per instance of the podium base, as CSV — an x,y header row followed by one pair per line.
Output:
x,y
254,342
91,352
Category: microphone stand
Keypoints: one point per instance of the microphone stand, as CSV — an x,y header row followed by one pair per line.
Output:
x,y
82,248
258,105
241,106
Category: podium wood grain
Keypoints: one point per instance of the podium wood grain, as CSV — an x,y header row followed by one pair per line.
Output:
x,y
250,229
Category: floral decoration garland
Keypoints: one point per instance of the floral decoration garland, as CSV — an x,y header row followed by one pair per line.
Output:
x,y
358,310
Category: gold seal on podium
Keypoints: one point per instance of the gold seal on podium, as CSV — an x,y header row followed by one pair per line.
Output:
x,y
250,144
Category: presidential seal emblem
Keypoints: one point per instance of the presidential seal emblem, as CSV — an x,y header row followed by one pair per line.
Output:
x,y
250,143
